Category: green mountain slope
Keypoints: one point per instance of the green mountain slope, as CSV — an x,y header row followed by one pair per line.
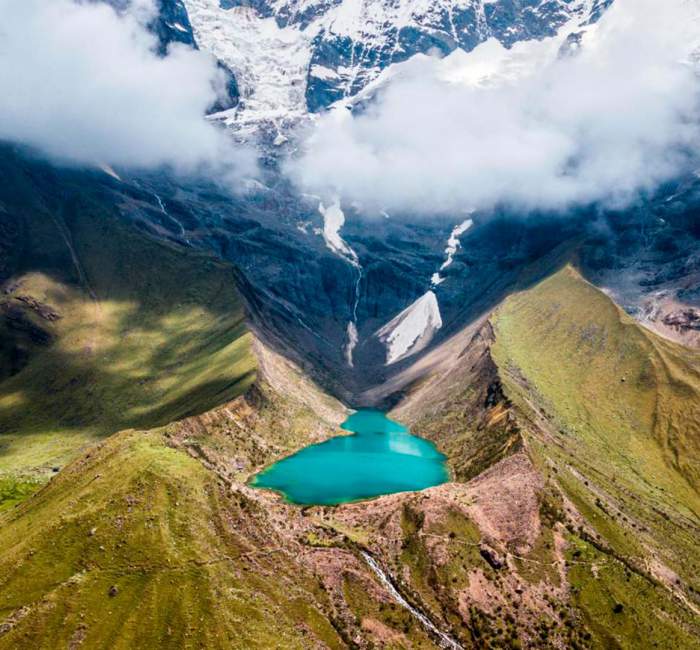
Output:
x,y
137,545
610,384
140,541
103,328
606,417
614,416
571,433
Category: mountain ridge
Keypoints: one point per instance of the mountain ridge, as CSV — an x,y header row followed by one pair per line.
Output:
x,y
299,56
163,340
531,519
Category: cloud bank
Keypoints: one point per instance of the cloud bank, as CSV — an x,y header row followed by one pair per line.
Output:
x,y
530,128
81,82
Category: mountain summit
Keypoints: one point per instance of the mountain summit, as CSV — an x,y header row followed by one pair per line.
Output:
x,y
304,55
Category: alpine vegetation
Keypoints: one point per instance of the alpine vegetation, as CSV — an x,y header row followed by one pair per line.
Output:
x,y
431,381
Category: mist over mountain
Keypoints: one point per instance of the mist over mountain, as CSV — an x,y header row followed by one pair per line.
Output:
x,y
111,98
462,142
538,126
349,324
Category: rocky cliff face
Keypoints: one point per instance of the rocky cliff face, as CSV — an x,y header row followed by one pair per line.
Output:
x,y
325,283
304,294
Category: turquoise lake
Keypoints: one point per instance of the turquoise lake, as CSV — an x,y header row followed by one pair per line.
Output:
x,y
381,457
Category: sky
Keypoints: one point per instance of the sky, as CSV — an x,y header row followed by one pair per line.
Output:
x,y
527,128
82,84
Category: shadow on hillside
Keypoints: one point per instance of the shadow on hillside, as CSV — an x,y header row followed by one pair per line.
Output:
x,y
148,331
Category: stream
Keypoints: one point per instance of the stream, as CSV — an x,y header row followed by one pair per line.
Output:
x,y
445,640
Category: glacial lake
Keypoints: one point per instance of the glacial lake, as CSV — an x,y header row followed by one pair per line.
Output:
x,y
381,457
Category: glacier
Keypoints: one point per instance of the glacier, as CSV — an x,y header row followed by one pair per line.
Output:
x,y
294,57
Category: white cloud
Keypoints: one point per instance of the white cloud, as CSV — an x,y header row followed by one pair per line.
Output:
x,y
524,127
81,82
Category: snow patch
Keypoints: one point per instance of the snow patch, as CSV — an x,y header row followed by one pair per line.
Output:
x,y
178,27
412,330
109,171
333,221
352,339
453,244
322,72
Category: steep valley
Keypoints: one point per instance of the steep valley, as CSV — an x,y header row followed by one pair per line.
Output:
x,y
571,518
229,228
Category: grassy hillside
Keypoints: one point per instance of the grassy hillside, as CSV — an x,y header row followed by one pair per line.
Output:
x,y
612,414
609,383
549,536
137,545
577,433
128,378
104,329
572,435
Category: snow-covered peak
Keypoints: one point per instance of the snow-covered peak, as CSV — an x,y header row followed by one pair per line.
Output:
x,y
270,62
363,19
290,56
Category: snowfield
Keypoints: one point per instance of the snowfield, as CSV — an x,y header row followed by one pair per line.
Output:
x,y
278,48
412,330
